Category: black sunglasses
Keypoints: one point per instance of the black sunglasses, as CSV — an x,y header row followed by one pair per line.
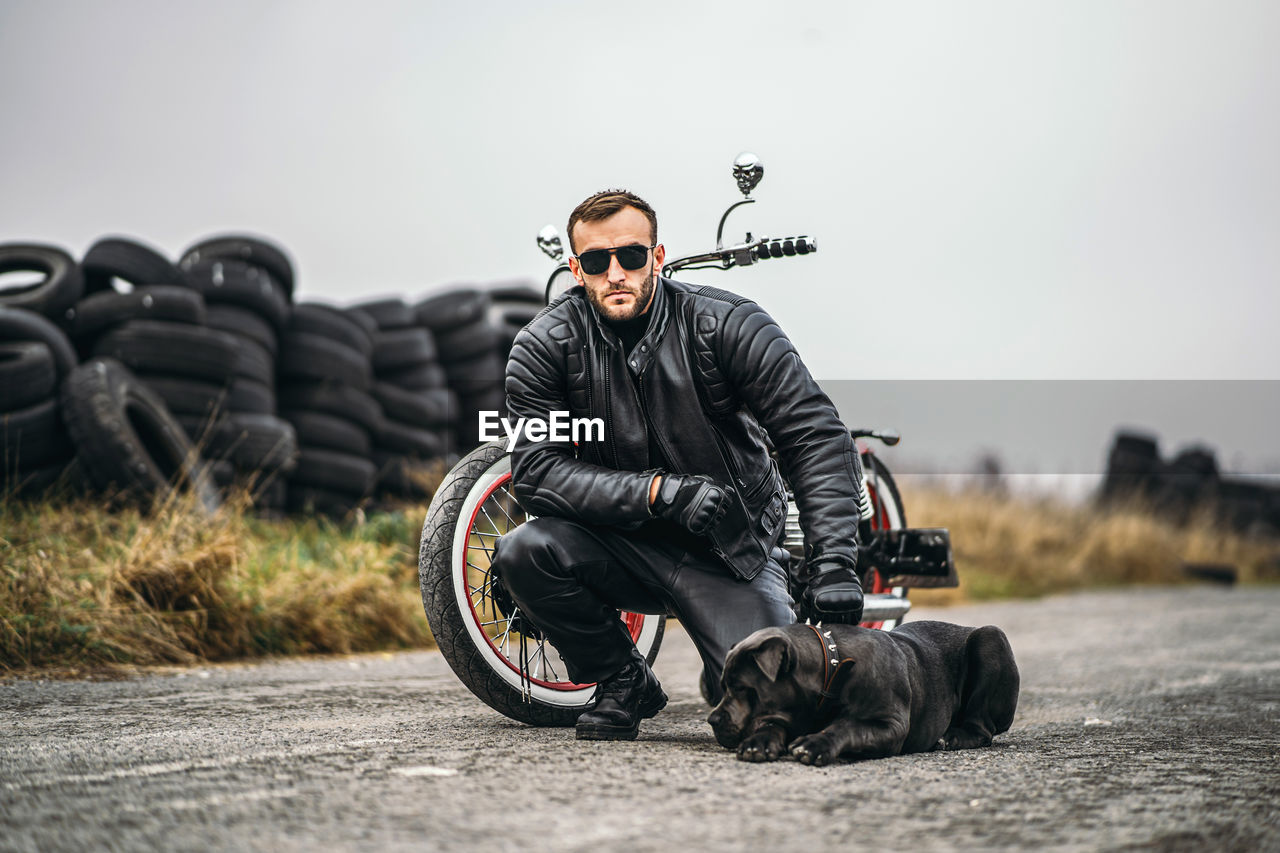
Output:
x,y
596,261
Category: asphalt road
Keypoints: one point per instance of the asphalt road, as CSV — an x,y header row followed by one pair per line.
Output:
x,y
1148,719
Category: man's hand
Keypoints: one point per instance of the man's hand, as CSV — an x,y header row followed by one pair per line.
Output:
x,y
692,501
833,594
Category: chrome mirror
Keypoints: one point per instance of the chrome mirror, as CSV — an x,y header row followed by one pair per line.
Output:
x,y
549,243
747,171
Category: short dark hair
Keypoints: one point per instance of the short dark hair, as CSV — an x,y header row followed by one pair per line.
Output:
x,y
606,203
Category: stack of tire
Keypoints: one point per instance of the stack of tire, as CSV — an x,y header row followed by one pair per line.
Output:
x,y
90,424
469,345
513,306
325,371
35,356
1185,483
247,284
417,406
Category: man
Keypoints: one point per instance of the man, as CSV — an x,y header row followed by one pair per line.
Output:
x,y
680,507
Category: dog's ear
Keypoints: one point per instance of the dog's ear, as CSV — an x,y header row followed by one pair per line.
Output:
x,y
774,657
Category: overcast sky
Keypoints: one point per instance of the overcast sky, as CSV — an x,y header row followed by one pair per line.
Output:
x,y
1050,190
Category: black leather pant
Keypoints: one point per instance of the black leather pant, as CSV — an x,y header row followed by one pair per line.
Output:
x,y
571,579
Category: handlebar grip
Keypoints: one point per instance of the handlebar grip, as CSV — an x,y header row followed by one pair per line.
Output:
x,y
789,247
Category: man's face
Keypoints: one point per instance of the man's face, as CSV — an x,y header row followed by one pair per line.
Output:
x,y
617,294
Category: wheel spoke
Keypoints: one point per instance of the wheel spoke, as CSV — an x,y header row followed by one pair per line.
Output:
x,y
492,523
551,669
510,519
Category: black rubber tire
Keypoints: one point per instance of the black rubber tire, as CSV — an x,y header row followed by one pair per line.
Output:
x,y
33,437
243,322
518,316
311,357
19,324
451,309
223,473
422,377
1133,466
435,573
331,399
243,247
468,343
408,440
246,396
100,311
61,286
199,428
254,361
397,349
492,399
336,471
316,318
186,396
225,281
60,478
392,313
174,349
271,496
126,437
255,442
27,374
433,408
477,374
402,475
365,321
308,500
521,292
329,432
128,260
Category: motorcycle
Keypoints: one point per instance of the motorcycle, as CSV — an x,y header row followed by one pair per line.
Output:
x,y
506,661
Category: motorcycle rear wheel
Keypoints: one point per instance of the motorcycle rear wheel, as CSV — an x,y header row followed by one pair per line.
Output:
x,y
471,508
888,513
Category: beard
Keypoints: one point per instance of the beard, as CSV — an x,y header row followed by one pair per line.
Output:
x,y
641,304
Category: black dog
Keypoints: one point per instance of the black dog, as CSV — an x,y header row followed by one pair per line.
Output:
x,y
826,691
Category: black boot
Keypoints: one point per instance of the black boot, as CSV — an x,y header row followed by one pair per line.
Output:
x,y
623,699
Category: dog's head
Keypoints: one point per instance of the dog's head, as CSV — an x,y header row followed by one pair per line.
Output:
x,y
759,681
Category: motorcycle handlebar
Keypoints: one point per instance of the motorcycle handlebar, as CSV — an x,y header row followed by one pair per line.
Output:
x,y
745,254
742,255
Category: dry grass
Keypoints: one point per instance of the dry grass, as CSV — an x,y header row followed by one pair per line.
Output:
x,y
1016,547
83,590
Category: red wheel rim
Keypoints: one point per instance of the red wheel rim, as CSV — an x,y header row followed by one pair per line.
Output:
x,y
633,621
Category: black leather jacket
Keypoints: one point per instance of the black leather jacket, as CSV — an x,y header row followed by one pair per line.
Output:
x,y
711,376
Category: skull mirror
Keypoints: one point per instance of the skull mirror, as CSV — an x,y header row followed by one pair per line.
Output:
x,y
747,171
549,243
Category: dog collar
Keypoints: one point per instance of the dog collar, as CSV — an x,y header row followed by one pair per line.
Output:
x,y
831,664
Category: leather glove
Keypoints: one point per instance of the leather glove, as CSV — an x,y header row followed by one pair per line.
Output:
x,y
693,501
834,594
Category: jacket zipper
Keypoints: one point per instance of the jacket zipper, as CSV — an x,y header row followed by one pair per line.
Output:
x,y
608,414
728,458
586,366
648,423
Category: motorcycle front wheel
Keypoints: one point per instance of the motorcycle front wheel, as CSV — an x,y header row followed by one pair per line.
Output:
x,y
518,674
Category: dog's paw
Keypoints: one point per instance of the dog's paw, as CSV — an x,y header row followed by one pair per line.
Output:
x,y
765,745
815,750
